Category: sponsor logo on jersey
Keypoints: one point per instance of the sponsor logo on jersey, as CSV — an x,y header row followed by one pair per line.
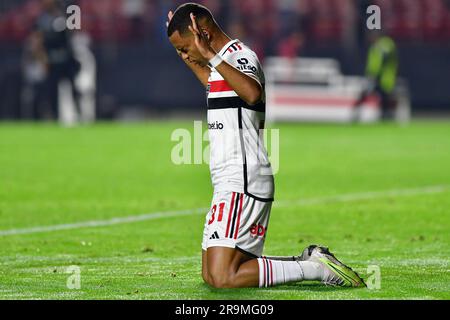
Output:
x,y
215,126
244,65
258,230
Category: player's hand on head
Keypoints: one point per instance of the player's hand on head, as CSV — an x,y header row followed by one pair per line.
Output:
x,y
201,40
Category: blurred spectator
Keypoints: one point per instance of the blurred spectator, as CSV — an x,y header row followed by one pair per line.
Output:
x,y
62,65
381,71
291,46
35,71
134,11
265,23
130,45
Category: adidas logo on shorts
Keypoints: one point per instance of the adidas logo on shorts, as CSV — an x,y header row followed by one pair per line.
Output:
x,y
215,236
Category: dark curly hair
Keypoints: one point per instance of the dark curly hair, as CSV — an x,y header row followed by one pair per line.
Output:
x,y
181,18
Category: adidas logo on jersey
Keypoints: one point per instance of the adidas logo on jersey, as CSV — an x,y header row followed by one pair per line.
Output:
x,y
215,236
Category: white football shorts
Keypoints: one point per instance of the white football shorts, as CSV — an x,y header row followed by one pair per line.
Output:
x,y
237,221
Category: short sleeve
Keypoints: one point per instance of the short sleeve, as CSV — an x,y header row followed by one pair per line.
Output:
x,y
247,62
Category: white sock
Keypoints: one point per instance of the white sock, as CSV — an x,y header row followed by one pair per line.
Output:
x,y
272,272
312,271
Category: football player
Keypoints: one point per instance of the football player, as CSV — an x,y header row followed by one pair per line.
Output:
x,y
236,226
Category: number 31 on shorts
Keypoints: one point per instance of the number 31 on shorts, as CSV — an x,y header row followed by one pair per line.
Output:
x,y
214,210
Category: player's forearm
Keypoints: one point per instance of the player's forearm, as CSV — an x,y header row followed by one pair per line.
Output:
x,y
202,73
247,88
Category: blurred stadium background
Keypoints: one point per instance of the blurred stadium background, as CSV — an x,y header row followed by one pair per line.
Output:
x,y
136,73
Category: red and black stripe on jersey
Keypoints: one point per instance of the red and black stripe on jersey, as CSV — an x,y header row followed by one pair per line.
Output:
x,y
230,102
235,46
234,103
219,86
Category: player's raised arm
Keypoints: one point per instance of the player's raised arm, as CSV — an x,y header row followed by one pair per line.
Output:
x,y
201,72
247,88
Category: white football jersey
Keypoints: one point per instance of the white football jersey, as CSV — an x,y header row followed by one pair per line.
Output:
x,y
239,161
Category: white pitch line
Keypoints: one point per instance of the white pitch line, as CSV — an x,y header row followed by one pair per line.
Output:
x,y
18,260
103,223
365,196
161,215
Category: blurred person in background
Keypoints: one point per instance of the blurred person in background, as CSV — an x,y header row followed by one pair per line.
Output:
x,y
291,46
56,40
35,71
382,72
135,11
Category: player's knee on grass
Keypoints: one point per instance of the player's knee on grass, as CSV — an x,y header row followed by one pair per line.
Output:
x,y
222,266
205,276
221,276
213,281
220,280
205,273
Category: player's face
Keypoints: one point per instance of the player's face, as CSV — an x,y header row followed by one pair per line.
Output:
x,y
185,46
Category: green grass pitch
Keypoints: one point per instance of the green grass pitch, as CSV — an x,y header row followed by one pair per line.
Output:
x,y
376,195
